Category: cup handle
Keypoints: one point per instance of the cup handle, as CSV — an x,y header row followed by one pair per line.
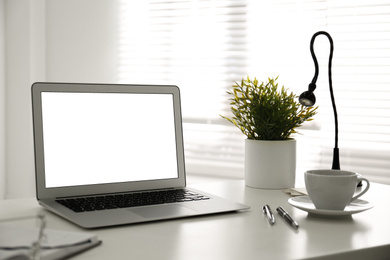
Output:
x,y
364,191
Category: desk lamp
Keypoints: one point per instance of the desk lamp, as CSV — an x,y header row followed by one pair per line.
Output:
x,y
308,98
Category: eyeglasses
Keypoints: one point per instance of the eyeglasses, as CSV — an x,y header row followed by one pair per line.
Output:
x,y
34,251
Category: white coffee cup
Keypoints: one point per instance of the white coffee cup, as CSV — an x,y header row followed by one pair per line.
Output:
x,y
333,189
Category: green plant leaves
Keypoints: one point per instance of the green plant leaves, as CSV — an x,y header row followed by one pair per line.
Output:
x,y
262,111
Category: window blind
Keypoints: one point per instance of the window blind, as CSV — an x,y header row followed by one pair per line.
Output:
x,y
203,46
200,46
363,33
361,78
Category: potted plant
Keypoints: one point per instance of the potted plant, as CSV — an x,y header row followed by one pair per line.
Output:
x,y
268,116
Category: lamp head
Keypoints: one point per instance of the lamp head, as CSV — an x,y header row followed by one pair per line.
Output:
x,y
308,98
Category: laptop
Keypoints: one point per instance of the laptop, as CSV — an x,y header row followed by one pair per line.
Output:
x,y
113,154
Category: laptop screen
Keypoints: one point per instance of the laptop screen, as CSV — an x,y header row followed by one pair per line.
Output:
x,y
98,138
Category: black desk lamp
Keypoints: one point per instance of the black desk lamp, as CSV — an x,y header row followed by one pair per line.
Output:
x,y
308,98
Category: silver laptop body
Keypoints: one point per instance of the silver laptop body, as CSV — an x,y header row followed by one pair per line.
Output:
x,y
112,139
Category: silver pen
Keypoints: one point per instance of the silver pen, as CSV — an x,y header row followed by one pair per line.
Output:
x,y
268,212
282,212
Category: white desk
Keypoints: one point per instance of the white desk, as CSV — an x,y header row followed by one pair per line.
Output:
x,y
244,235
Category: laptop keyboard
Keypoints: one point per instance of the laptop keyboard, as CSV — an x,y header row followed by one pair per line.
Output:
x,y
92,203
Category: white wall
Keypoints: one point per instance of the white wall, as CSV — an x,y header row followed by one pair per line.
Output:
x,y
2,101
57,40
18,77
81,40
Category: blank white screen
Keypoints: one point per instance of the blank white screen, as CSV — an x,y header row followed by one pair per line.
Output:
x,y
96,138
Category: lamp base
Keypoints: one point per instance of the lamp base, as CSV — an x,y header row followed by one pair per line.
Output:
x,y
336,159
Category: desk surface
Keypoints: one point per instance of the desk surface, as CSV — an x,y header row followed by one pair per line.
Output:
x,y
242,235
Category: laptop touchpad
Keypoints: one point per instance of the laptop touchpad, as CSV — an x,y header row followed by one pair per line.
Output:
x,y
163,211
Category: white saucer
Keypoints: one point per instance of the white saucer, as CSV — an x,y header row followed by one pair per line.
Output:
x,y
304,203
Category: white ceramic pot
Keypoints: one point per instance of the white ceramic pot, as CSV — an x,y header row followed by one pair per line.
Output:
x,y
270,164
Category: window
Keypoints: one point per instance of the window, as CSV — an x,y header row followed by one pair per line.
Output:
x,y
361,77
200,46
203,46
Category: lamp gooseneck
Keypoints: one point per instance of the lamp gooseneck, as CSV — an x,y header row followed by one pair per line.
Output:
x,y
308,98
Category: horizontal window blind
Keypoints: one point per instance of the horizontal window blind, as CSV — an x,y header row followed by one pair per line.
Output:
x,y
203,46
361,78
364,79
